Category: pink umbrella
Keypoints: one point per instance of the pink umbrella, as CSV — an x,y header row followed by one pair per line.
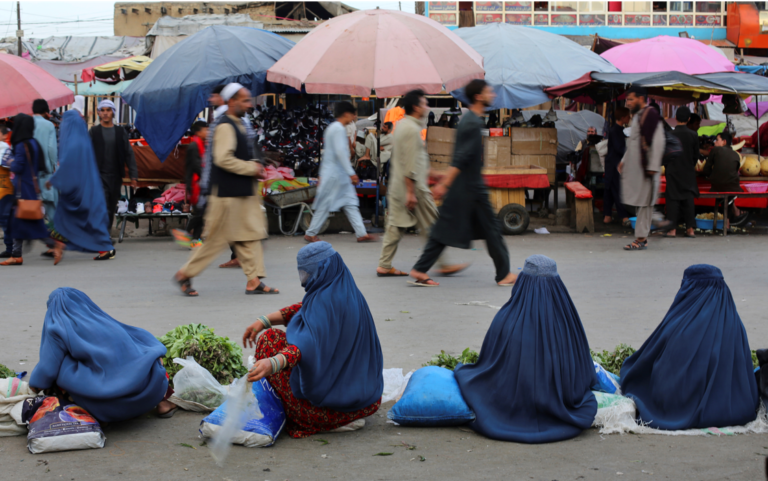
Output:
x,y
24,82
663,53
388,51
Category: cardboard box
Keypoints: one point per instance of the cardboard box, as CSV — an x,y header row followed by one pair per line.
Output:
x,y
440,162
496,150
533,141
440,141
546,161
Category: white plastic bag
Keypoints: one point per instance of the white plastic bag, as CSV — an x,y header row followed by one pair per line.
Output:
x,y
195,389
394,384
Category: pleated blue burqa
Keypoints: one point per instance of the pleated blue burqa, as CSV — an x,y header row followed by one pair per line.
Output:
x,y
111,370
341,366
81,215
695,371
532,381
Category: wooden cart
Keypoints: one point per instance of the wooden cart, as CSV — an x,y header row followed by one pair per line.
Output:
x,y
507,188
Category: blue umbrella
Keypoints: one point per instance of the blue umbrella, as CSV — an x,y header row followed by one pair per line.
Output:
x,y
174,88
521,61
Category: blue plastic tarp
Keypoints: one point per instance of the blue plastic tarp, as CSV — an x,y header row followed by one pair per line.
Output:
x,y
174,88
754,69
520,61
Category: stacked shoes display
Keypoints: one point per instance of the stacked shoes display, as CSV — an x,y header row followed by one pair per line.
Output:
x,y
296,133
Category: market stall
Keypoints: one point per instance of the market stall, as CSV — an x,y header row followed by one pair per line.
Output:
x,y
381,52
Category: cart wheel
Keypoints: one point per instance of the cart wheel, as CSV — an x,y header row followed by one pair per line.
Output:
x,y
514,219
306,219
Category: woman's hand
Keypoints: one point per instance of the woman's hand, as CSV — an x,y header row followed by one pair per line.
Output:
x,y
251,332
261,369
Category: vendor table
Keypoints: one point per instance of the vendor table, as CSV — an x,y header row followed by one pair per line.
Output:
x,y
746,201
753,196
506,189
125,216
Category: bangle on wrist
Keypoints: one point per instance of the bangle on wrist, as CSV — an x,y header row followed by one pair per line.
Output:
x,y
264,320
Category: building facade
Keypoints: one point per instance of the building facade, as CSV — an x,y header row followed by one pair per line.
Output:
x,y
625,20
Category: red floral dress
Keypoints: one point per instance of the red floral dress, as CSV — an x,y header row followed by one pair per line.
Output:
x,y
304,419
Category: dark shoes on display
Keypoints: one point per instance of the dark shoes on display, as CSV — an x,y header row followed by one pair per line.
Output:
x,y
105,256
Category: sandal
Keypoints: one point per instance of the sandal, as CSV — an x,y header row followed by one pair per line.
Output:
x,y
454,269
186,289
230,264
168,414
424,283
262,289
105,256
636,246
626,223
391,273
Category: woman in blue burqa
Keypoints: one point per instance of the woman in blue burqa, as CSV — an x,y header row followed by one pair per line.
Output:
x,y
110,369
327,365
695,371
532,382
80,222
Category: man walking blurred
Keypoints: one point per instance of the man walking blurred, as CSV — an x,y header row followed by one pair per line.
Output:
x,y
466,213
234,214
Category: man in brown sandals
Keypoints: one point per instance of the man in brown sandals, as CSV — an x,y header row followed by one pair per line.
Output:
x,y
234,215
466,213
641,166
409,200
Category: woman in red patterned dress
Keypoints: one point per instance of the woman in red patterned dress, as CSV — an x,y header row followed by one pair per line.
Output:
x,y
327,365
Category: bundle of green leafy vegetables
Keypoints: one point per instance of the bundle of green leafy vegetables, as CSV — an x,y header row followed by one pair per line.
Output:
x,y
612,361
447,361
6,372
220,356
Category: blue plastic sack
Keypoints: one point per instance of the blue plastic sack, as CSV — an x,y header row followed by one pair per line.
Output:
x,y
262,421
431,398
607,381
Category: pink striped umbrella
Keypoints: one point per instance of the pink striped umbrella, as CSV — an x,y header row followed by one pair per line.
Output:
x,y
664,53
23,82
388,51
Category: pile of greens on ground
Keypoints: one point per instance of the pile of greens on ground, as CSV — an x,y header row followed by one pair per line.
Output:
x,y
612,361
449,362
6,372
220,356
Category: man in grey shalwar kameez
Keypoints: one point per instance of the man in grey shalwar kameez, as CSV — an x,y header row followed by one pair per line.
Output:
x,y
641,166
337,179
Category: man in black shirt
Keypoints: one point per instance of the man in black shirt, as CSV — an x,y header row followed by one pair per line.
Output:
x,y
681,176
617,145
113,153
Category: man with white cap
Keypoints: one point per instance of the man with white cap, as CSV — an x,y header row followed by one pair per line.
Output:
x,y
234,214
113,153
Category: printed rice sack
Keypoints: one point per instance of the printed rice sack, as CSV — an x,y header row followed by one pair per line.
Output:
x,y
53,427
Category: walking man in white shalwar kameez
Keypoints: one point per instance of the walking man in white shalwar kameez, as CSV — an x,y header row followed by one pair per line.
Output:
x,y
336,191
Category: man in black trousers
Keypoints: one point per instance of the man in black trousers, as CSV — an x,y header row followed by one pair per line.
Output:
x,y
466,213
681,177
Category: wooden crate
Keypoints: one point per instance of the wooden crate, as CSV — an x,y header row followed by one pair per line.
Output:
x,y
501,197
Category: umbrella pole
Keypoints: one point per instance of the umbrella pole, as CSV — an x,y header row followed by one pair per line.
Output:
x,y
757,121
379,177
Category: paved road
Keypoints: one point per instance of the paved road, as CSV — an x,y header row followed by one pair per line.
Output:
x,y
621,297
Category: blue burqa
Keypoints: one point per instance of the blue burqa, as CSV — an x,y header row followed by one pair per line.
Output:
x,y
341,366
695,371
532,381
111,370
81,215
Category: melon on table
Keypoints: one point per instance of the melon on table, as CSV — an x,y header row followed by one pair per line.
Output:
x,y
751,166
764,167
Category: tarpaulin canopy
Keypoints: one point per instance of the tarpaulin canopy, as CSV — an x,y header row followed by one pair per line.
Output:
x,y
520,62
172,90
604,87
77,49
123,69
99,88
23,82
663,53
167,26
388,51
66,71
744,84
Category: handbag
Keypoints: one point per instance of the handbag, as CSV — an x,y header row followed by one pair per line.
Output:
x,y
29,209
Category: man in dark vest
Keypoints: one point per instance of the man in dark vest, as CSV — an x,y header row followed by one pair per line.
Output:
x,y
113,153
234,215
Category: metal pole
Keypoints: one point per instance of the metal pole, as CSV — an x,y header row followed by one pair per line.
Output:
x,y
757,120
379,177
18,23
75,84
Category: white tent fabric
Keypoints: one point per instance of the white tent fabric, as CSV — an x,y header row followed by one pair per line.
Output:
x,y
191,24
161,44
78,49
